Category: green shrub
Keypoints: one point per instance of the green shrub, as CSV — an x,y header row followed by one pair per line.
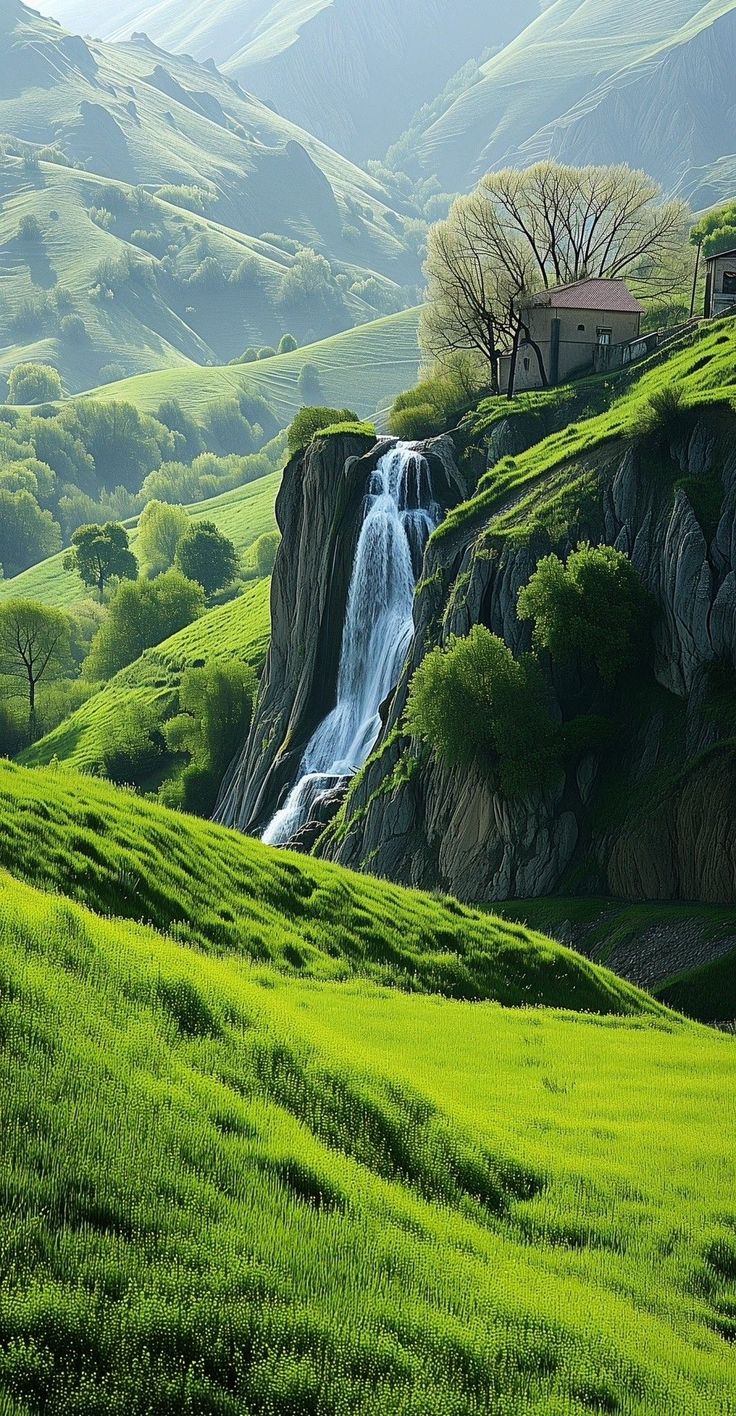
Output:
x,y
260,558
206,556
309,421
287,344
475,704
438,401
142,613
29,230
34,383
135,748
592,609
216,704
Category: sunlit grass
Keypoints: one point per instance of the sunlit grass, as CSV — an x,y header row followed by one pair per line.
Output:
x,y
226,1191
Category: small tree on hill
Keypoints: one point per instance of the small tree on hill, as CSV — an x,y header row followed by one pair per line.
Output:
x,y
35,643
160,530
100,554
216,703
591,609
206,556
34,383
309,421
287,344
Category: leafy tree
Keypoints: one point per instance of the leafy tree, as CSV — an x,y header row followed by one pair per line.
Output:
x,y
309,421
287,344
716,231
142,613
525,230
216,704
27,533
126,445
160,530
206,556
134,747
475,704
173,417
266,352
590,609
34,383
261,556
29,230
35,643
232,431
311,391
100,554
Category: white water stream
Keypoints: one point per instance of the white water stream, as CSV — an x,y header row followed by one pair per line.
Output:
x,y
400,515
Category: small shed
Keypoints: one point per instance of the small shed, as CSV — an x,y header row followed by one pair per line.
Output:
x,y
562,328
720,284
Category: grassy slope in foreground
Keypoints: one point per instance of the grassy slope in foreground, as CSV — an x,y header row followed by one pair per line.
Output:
x,y
228,1192
222,892
243,515
237,631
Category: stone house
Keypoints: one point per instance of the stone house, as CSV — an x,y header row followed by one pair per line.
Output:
x,y
563,329
720,284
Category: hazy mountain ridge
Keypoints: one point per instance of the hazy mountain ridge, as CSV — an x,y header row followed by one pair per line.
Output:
x,y
353,74
583,64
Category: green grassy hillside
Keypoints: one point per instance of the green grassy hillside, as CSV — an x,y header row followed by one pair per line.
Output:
x,y
236,631
243,514
361,368
221,891
702,368
230,1192
171,207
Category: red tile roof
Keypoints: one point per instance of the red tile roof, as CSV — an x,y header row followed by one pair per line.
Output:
x,y
609,296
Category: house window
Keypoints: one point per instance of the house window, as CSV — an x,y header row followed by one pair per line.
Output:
x,y
604,336
729,282
527,364
581,329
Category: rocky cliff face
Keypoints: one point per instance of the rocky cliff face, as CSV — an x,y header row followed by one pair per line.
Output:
x,y
652,817
319,512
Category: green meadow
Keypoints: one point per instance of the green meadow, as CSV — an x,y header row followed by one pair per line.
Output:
x,y
239,630
228,1190
243,515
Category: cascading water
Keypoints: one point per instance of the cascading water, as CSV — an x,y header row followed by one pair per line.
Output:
x,y
399,516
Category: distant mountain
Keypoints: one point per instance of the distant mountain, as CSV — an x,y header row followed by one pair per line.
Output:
x,y
353,72
599,80
170,206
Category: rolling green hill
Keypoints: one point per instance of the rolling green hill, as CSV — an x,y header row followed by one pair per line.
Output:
x,y
361,368
171,209
230,1191
236,631
224,892
243,515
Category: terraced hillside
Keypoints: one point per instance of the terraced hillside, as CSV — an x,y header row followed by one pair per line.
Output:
x,y
243,515
170,207
236,632
229,1163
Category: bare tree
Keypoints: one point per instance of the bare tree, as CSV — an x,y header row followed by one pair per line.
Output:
x,y
524,231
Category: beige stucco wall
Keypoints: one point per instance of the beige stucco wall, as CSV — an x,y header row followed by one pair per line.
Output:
x,y
576,344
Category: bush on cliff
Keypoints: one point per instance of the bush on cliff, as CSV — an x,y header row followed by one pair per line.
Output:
x,y
438,402
591,609
309,421
475,704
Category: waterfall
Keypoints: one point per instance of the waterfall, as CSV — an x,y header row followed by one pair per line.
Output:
x,y
400,514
